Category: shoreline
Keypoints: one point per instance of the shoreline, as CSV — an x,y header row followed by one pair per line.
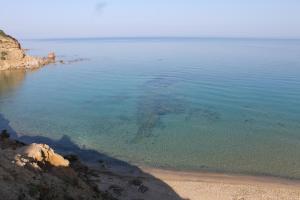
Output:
x,y
214,186
217,172
196,175
192,185
124,180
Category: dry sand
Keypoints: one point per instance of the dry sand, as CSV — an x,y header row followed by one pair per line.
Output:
x,y
212,186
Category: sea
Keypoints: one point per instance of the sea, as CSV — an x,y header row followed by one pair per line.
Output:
x,y
228,105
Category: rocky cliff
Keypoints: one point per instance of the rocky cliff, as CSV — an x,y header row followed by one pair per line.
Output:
x,y
12,56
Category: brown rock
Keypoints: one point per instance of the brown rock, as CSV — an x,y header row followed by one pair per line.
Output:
x,y
51,56
43,153
12,56
23,177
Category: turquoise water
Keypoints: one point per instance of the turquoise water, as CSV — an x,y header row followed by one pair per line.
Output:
x,y
227,105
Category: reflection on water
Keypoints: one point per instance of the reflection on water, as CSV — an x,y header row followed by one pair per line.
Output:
x,y
10,80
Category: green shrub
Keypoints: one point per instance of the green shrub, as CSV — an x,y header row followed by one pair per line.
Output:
x,y
3,55
2,33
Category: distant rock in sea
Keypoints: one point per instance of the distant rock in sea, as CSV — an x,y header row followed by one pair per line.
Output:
x,y
12,56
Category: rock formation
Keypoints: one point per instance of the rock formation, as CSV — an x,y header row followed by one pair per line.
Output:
x,y
12,56
35,172
42,153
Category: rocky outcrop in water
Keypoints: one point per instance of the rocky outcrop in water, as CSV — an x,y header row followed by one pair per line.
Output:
x,y
12,56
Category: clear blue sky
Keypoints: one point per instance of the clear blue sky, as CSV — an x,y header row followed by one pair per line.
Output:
x,y
97,18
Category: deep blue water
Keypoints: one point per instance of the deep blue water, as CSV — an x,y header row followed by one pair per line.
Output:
x,y
229,105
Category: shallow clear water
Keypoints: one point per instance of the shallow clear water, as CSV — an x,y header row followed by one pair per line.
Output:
x,y
188,104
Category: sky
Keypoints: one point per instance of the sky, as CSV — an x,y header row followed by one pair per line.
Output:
x,y
150,18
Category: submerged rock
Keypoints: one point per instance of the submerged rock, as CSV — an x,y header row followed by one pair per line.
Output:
x,y
51,56
12,56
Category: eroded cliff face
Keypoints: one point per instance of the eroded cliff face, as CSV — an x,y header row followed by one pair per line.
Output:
x,y
12,56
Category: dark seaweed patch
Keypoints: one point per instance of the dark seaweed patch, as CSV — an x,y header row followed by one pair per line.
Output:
x,y
155,103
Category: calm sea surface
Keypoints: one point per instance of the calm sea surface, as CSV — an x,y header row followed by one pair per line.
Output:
x,y
228,105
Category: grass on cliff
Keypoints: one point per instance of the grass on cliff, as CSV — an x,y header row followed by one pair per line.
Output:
x,y
3,55
2,33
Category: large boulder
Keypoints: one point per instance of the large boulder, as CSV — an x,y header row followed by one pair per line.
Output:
x,y
43,153
27,173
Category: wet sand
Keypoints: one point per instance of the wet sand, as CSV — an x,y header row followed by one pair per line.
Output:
x,y
213,186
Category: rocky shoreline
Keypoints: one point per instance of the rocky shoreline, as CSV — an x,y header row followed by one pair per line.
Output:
x,y
12,56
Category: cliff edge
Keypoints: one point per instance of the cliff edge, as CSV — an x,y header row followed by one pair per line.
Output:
x,y
12,56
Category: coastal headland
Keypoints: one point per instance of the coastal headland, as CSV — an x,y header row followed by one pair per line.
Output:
x,y
12,56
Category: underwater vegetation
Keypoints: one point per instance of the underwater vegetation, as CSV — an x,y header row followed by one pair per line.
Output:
x,y
159,99
152,108
155,102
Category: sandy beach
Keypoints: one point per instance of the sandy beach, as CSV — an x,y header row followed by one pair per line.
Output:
x,y
211,186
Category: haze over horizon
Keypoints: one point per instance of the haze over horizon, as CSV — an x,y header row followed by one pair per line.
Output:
x,y
133,18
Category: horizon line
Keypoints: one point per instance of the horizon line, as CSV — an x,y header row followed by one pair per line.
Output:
x,y
160,37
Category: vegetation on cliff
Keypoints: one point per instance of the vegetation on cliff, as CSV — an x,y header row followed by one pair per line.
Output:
x,y
2,33
3,54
